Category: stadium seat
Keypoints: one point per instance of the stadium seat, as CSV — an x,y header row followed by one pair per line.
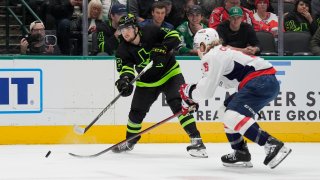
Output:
x,y
287,7
267,43
296,43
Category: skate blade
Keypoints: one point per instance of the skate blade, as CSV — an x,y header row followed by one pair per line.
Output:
x,y
239,164
283,153
198,153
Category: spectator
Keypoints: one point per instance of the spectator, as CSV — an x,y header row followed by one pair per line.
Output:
x,y
208,5
96,26
140,8
177,14
189,28
168,5
300,19
40,8
63,11
111,38
220,14
315,8
95,30
106,7
315,43
268,21
238,35
249,4
35,44
158,11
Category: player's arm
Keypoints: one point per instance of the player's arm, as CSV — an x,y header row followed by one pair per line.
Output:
x,y
126,72
212,70
191,94
171,38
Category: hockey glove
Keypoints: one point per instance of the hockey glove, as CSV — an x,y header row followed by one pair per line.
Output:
x,y
124,86
187,101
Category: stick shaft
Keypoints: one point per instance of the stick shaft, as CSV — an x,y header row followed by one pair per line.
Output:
x,y
116,98
126,140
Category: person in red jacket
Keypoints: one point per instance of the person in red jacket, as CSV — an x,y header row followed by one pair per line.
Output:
x,y
220,14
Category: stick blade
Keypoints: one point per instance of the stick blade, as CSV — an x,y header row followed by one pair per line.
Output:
x,y
78,156
85,156
78,130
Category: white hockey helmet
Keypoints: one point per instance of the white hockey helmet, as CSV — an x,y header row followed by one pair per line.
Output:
x,y
207,37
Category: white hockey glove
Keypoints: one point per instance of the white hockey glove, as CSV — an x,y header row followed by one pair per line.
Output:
x,y
187,101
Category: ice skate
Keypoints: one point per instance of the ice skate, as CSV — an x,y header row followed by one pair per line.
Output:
x,y
123,147
239,158
197,148
276,152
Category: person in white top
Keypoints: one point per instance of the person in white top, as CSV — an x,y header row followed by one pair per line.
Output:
x,y
257,86
268,21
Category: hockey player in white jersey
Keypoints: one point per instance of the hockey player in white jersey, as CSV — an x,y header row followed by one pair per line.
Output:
x,y
257,85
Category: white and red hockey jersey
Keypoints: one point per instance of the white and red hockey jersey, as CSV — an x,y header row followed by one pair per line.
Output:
x,y
228,68
267,24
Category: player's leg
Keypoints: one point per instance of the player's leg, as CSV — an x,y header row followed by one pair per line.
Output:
x,y
188,122
241,156
142,100
247,102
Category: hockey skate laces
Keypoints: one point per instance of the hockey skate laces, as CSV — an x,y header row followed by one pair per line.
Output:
x,y
269,148
231,154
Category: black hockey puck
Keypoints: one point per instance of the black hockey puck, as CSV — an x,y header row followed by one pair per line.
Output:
x,y
48,153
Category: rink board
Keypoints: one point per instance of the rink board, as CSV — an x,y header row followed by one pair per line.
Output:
x,y
42,97
166,133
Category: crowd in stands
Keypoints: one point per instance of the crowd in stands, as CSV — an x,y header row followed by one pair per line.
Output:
x,y
236,21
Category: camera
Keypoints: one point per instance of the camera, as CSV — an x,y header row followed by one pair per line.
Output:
x,y
49,40
34,38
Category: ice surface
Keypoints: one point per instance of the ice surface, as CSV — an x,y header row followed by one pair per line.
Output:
x,y
151,161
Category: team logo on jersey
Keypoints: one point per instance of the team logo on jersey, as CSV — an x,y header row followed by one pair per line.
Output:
x,y
144,57
205,67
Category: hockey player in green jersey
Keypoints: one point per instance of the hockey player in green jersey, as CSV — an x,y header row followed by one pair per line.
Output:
x,y
138,48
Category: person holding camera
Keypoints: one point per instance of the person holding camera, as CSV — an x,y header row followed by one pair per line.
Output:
x,y
34,43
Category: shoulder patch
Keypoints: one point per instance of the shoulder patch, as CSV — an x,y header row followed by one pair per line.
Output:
x,y
205,67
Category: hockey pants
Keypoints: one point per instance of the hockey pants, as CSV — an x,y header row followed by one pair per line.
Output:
x,y
143,99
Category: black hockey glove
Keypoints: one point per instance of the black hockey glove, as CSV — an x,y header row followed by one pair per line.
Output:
x,y
124,86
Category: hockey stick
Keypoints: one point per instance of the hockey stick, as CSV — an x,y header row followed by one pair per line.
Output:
x,y
81,131
126,140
